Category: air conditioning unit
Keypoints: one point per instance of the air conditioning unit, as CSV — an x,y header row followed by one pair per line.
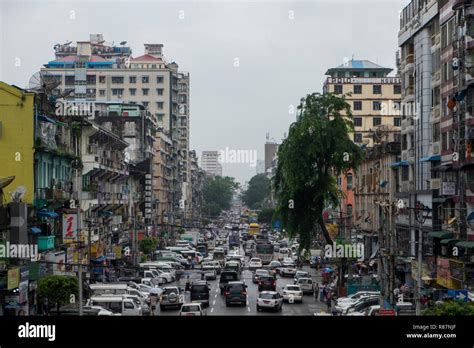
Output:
x,y
435,184
435,149
436,112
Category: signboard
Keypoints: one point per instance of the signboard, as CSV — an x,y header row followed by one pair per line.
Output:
x,y
23,287
371,80
110,256
448,189
460,295
69,226
117,250
13,278
57,262
386,312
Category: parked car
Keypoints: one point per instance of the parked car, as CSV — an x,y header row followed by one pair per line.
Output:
x,y
355,296
358,306
269,300
292,293
235,293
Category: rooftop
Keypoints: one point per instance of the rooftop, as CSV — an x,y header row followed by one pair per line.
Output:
x,y
358,65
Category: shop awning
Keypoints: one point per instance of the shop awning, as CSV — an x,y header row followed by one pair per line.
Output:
x,y
466,244
440,234
35,230
449,240
47,214
442,168
400,164
105,213
100,259
46,119
431,158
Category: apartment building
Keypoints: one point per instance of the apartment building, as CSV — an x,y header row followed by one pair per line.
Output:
x,y
375,102
97,71
210,163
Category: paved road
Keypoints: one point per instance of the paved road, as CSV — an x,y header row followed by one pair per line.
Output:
x,y
217,303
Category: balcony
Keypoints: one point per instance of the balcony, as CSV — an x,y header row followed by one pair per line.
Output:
x,y
409,63
409,94
459,3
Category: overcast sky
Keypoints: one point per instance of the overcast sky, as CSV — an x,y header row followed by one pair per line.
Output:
x,y
282,49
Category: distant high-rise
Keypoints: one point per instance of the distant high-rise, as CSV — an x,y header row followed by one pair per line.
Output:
x,y
260,166
210,163
270,152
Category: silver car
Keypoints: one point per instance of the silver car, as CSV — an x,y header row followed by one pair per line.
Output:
x,y
269,300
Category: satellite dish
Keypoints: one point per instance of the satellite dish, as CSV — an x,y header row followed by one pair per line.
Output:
x,y
18,194
42,81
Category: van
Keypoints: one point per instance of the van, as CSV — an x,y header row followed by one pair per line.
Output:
x,y
114,289
226,277
117,304
232,266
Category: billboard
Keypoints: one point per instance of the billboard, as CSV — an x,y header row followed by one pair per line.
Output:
x,y
69,226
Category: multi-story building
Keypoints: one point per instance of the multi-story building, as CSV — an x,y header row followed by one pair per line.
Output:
x,y
375,100
197,181
210,163
96,71
271,149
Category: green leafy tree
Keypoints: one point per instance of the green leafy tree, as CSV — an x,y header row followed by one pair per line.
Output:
x,y
217,194
258,190
58,289
148,245
450,308
317,150
266,215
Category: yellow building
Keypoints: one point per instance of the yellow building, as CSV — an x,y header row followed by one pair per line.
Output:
x,y
16,139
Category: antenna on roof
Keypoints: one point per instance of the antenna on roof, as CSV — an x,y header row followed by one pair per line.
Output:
x,y
352,56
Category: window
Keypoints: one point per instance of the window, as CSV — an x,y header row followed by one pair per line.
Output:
x,y
117,79
357,121
159,79
397,121
145,79
405,173
133,91
435,96
159,91
436,132
357,105
132,79
377,89
397,137
404,142
376,106
128,305
145,91
102,92
349,181
182,98
376,121
444,141
159,117
357,137
397,89
101,79
349,211
145,104
338,89
117,91
357,89
159,105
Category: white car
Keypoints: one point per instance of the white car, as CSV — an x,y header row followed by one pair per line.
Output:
x,y
292,293
306,285
269,300
354,297
288,261
286,271
192,309
301,274
167,277
102,311
255,263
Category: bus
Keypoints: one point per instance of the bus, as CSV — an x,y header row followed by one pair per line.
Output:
x,y
254,229
264,251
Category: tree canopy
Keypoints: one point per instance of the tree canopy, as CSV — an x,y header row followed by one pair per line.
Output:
x,y
318,149
258,190
58,289
450,308
217,194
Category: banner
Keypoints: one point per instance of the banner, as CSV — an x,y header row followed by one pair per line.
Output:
x,y
13,278
69,226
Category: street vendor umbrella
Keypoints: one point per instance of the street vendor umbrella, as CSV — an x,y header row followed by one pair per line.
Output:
x,y
328,270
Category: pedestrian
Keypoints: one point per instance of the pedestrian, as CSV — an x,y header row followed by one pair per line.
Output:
x,y
316,291
153,302
188,284
328,300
